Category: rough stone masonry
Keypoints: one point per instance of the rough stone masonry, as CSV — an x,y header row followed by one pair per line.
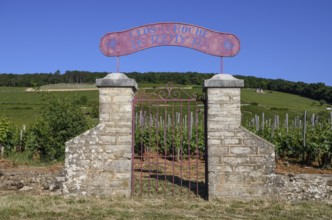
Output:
x,y
241,165
238,161
98,162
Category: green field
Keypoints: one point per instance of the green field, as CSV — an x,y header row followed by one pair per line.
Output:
x,y
22,107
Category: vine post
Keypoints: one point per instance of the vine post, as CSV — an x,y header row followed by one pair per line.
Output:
x,y
304,133
2,151
286,122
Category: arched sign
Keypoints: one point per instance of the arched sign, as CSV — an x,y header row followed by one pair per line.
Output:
x,y
169,34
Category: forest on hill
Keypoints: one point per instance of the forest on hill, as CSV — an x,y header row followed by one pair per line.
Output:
x,y
318,91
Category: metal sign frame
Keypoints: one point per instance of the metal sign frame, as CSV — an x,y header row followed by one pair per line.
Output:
x,y
170,34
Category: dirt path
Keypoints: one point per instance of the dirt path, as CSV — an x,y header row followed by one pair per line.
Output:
x,y
41,179
285,167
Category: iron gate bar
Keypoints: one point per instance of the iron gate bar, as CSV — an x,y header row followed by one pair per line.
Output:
x,y
181,146
196,122
157,147
189,118
173,125
149,148
133,144
165,115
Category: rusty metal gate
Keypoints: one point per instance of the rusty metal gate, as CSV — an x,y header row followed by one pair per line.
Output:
x,y
168,142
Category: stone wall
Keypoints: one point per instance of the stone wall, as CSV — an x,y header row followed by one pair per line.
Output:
x,y
98,162
239,162
316,187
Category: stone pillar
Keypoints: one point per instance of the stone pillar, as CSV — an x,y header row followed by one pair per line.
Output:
x,y
98,162
238,161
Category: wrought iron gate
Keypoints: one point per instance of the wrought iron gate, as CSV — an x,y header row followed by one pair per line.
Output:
x,y
168,142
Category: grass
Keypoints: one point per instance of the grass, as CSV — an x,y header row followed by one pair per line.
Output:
x,y
28,206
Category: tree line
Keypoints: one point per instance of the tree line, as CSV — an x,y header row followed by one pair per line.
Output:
x,y
318,91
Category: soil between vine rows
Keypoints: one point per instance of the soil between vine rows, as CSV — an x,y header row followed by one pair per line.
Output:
x,y
38,178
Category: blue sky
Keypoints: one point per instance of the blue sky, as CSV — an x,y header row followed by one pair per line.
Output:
x,y
288,39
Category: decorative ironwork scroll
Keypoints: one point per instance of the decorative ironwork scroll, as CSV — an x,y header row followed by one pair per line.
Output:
x,y
169,34
167,92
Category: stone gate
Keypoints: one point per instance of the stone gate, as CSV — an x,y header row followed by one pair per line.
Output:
x,y
98,162
239,164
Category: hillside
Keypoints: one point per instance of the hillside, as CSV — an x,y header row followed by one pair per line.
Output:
x,y
22,107
318,91
278,103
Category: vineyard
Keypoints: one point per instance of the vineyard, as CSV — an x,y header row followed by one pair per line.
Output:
x,y
303,141
181,134
307,140
169,120
277,117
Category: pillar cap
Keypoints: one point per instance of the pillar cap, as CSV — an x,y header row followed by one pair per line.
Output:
x,y
223,81
116,80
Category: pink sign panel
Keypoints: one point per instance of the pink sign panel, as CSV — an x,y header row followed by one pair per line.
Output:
x,y
169,34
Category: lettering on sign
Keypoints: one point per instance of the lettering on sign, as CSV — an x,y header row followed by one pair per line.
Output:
x,y
169,34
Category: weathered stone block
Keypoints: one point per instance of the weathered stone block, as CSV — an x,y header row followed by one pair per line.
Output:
x,y
232,141
215,151
235,161
214,161
126,108
243,168
124,123
107,139
214,142
260,160
124,139
225,169
243,150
